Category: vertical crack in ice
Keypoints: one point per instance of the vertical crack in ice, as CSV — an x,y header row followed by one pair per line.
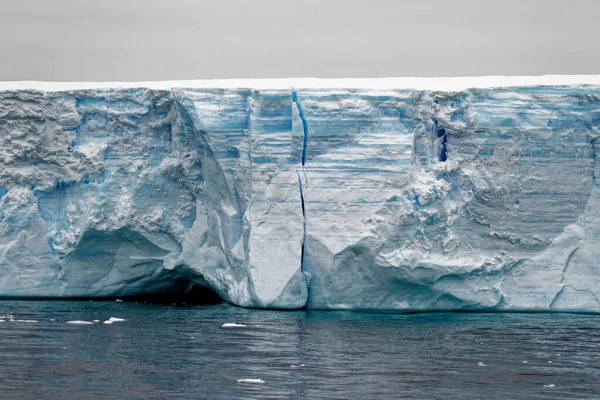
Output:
x,y
556,297
595,297
303,221
303,160
564,271
441,134
304,125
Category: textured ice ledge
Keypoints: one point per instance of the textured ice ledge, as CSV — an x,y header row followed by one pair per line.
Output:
x,y
382,194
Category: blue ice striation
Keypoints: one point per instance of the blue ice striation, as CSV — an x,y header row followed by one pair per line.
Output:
x,y
305,196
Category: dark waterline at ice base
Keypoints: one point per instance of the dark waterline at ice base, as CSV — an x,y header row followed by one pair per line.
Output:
x,y
163,351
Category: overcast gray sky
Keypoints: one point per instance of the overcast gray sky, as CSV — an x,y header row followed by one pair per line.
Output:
x,y
132,40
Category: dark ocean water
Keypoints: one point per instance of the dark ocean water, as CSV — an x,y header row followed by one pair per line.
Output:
x,y
164,351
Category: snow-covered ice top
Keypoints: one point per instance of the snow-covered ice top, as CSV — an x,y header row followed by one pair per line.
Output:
x,y
417,83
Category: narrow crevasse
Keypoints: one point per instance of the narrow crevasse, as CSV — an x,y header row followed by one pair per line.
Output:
x,y
301,174
304,125
304,222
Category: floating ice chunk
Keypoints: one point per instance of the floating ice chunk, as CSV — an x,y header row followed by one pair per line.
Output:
x,y
298,366
549,362
119,300
548,386
232,325
480,364
1,320
113,319
96,321
525,362
107,322
30,321
250,381
80,323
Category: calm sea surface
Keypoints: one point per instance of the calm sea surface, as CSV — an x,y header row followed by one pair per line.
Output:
x,y
164,351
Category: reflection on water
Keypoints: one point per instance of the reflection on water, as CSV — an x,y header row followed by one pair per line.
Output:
x,y
163,351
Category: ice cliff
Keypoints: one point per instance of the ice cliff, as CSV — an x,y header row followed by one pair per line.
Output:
x,y
389,194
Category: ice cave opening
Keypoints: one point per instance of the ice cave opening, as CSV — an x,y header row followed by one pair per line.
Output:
x,y
184,292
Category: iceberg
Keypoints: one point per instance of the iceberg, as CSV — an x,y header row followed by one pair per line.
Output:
x,y
390,194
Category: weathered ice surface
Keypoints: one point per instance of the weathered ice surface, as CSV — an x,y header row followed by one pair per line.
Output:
x,y
403,195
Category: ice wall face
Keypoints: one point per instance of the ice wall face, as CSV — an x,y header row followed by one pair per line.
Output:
x,y
494,205
248,245
125,192
381,199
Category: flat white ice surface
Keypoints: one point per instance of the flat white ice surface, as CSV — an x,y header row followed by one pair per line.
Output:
x,y
442,84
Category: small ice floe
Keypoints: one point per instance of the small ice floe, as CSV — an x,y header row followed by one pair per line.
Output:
x,y
298,366
112,320
80,323
480,364
253,381
29,321
96,321
119,300
232,325
525,362
549,362
52,319
548,386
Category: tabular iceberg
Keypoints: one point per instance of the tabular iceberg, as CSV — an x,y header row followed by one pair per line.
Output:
x,y
374,194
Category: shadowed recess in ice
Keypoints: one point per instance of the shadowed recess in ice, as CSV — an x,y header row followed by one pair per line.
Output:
x,y
376,199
